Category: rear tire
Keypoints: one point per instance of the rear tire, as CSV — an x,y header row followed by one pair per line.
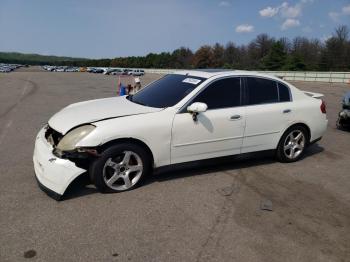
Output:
x,y
292,144
120,168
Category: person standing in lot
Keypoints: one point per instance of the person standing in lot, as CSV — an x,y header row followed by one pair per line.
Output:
x,y
130,89
121,88
137,86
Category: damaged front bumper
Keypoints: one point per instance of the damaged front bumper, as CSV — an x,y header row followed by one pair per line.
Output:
x,y
52,173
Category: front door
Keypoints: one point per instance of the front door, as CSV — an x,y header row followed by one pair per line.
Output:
x,y
218,131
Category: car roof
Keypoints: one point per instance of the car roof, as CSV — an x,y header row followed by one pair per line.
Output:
x,y
208,73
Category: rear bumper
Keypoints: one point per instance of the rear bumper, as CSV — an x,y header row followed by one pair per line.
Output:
x,y
319,130
52,173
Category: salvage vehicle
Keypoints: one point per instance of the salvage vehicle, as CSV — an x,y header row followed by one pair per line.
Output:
x,y
343,120
182,117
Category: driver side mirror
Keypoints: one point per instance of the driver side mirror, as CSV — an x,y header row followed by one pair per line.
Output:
x,y
197,108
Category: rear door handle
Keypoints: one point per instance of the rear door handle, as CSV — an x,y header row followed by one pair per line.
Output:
x,y
235,117
286,111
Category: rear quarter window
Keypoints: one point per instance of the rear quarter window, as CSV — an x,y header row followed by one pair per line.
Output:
x,y
284,93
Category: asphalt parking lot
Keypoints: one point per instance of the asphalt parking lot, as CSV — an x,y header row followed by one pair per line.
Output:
x,y
208,212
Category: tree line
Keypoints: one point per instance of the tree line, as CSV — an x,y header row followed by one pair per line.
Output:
x,y
262,53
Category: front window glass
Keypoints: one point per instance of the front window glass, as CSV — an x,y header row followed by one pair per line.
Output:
x,y
167,91
221,94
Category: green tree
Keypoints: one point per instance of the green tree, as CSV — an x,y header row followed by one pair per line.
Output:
x,y
182,58
276,58
335,55
204,57
295,62
218,56
263,52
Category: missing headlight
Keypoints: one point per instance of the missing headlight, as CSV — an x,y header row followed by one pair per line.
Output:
x,y
52,136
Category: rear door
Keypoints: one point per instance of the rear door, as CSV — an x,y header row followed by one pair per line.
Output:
x,y
268,112
218,131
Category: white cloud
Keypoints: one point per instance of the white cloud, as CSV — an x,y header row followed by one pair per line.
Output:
x,y
284,10
334,16
224,4
290,22
245,28
269,11
288,11
346,10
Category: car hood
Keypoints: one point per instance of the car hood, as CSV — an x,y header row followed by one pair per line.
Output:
x,y
95,110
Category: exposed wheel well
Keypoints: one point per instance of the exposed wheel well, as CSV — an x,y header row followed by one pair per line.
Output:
x,y
128,140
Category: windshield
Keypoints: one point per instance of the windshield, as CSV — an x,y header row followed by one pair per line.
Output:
x,y
167,91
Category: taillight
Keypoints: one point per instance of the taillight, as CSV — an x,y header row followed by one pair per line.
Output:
x,y
323,107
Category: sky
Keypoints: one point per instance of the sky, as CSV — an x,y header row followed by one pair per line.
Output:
x,y
107,28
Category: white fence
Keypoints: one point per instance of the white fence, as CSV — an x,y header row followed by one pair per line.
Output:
x,y
329,77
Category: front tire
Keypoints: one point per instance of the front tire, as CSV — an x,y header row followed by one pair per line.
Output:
x,y
292,144
120,168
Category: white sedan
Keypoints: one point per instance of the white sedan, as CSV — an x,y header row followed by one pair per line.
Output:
x,y
182,117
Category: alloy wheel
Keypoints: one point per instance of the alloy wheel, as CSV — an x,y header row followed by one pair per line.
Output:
x,y
123,171
294,144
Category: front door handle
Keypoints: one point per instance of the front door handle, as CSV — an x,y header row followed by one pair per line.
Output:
x,y
235,117
286,111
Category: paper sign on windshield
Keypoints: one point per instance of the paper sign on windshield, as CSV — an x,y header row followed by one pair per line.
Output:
x,y
193,81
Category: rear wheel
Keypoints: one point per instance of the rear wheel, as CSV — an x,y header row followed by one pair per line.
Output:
x,y
119,168
292,144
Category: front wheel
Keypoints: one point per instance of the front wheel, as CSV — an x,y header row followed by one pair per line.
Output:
x,y
292,144
120,168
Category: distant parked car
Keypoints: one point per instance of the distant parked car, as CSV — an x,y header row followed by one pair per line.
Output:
x,y
120,72
182,117
5,70
137,72
110,71
117,72
98,70
69,69
50,68
59,69
344,115
72,69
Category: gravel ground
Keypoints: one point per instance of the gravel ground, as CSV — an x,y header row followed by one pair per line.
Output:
x,y
207,212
